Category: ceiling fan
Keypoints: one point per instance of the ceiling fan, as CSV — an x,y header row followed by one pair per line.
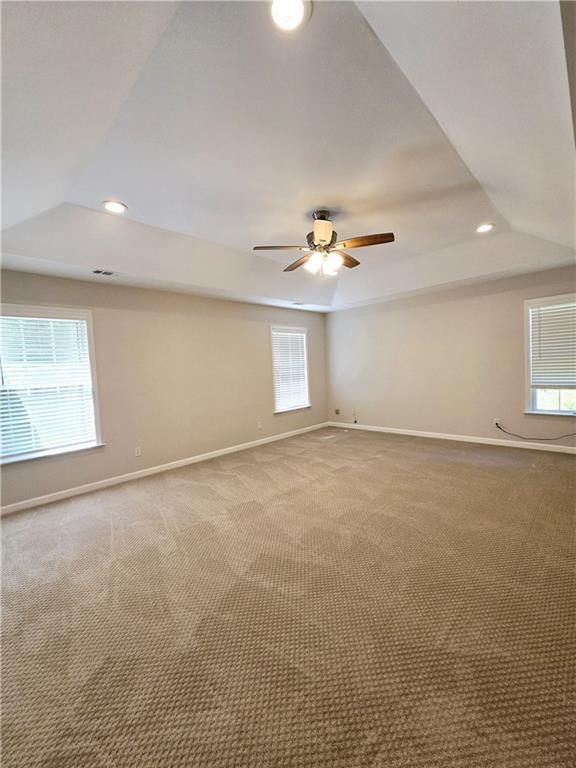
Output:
x,y
324,251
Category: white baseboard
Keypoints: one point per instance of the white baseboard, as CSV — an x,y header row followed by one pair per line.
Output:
x,y
89,487
459,438
49,498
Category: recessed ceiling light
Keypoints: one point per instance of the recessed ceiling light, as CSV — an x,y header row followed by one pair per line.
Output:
x,y
289,14
114,206
484,228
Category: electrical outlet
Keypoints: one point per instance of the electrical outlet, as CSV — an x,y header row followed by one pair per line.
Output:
x,y
259,424
496,421
337,411
354,419
137,451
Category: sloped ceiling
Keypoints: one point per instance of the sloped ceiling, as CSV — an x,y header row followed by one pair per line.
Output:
x,y
503,99
221,132
67,68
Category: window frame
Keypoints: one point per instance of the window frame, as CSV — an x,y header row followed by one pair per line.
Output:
x,y
304,331
65,313
529,399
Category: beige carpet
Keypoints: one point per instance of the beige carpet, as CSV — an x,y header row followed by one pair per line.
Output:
x,y
338,599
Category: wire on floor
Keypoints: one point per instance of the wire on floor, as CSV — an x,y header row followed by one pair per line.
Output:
x,y
523,437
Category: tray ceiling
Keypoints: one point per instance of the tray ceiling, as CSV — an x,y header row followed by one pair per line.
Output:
x,y
220,133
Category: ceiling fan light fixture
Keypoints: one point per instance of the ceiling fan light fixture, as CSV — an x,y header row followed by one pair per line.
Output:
x,y
288,14
325,263
486,227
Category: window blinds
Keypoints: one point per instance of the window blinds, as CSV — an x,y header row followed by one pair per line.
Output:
x,y
553,344
290,369
46,400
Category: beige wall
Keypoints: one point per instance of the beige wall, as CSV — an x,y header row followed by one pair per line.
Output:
x,y
181,375
445,362
177,375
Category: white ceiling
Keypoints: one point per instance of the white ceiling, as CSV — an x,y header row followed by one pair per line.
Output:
x,y
503,98
220,133
67,68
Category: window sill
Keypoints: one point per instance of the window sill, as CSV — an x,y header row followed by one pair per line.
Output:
x,y
52,452
290,410
550,413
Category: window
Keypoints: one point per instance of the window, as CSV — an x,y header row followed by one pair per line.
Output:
x,y
551,355
290,369
47,395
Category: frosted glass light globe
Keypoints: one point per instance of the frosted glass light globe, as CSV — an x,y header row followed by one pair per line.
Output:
x,y
314,263
333,262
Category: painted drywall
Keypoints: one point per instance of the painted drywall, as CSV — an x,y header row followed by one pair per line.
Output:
x,y
177,375
446,362
181,375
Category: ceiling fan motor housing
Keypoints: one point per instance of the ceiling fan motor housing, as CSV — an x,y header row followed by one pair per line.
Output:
x,y
322,231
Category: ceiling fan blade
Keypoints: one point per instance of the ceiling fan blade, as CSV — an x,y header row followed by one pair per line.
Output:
x,y
348,261
295,264
280,248
364,240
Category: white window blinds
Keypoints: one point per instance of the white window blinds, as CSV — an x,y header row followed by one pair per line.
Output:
x,y
553,343
290,369
46,398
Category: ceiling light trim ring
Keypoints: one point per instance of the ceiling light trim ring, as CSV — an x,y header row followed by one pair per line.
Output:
x,y
114,206
487,226
288,15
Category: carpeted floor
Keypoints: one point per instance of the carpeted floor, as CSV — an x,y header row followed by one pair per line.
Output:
x,y
337,599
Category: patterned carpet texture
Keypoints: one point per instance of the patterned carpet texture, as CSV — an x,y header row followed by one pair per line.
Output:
x,y
338,599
